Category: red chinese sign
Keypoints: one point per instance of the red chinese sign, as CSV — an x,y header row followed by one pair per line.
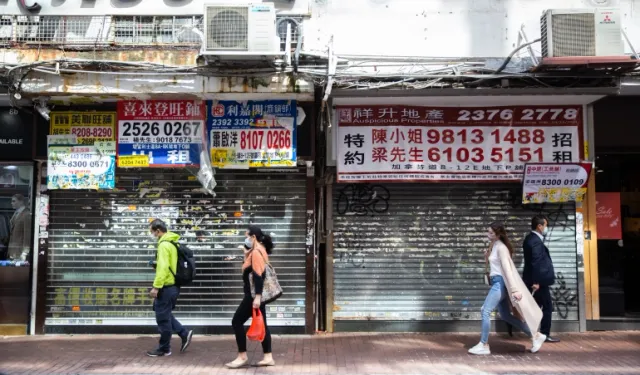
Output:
x,y
608,217
410,143
170,133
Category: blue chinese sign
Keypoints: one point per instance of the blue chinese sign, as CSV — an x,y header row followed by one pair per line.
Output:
x,y
252,134
166,133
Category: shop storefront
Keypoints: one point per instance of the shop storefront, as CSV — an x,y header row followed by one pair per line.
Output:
x,y
17,169
417,187
98,244
617,145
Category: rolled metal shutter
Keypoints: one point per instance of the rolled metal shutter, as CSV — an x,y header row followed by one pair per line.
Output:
x,y
99,246
406,252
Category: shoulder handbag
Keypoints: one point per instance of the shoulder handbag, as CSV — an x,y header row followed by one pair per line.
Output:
x,y
271,290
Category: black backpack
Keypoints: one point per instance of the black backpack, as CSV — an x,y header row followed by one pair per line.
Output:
x,y
186,267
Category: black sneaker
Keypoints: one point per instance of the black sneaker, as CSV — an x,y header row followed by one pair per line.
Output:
x,y
158,353
186,341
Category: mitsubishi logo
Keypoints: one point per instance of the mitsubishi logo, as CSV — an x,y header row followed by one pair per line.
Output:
x,y
607,19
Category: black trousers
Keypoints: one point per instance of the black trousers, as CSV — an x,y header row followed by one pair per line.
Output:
x,y
167,323
243,313
543,299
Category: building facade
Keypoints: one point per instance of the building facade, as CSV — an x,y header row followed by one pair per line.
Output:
x,y
358,247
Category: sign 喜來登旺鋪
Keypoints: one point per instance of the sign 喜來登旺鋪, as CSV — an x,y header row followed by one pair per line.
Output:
x,y
171,133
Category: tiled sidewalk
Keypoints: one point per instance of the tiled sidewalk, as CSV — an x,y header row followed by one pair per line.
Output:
x,y
585,353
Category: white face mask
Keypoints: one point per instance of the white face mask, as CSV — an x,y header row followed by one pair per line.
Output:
x,y
248,243
491,236
545,231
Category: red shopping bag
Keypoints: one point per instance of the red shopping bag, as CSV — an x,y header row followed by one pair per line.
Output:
x,y
256,331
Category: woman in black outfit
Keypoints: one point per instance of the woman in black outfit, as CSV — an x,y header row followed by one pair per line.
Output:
x,y
258,247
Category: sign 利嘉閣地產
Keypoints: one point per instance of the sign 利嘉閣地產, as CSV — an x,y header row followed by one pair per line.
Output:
x,y
252,134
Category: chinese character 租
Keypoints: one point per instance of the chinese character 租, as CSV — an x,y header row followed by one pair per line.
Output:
x,y
178,157
562,156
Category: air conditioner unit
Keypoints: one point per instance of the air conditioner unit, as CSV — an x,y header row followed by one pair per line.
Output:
x,y
581,32
241,30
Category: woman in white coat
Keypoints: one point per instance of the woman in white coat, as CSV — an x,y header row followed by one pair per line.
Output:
x,y
508,292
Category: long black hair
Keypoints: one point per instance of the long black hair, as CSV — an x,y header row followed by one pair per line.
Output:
x,y
264,239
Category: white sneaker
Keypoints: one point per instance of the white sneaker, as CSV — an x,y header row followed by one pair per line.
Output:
x,y
537,342
480,349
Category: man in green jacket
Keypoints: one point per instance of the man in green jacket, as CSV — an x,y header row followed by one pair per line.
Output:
x,y
165,292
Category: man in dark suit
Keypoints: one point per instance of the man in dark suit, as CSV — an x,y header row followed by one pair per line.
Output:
x,y
538,273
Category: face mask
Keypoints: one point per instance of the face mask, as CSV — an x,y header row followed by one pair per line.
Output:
x,y
152,235
545,231
248,243
491,236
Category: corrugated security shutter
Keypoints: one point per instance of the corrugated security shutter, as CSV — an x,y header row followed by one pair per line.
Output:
x,y
100,246
415,251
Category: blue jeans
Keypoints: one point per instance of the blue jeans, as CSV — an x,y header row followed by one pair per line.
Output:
x,y
500,298
167,323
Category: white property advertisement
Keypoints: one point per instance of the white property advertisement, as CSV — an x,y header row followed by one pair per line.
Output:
x,y
414,143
